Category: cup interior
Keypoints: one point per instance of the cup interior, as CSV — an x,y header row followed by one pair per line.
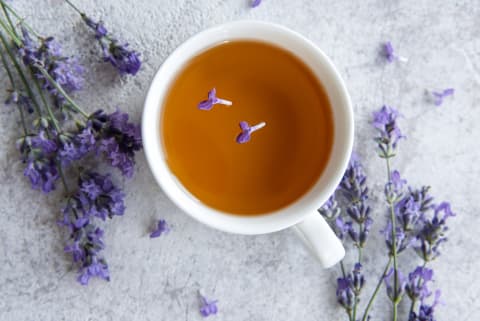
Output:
x,y
326,73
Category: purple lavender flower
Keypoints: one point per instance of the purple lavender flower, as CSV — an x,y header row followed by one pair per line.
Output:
x,y
96,197
439,96
126,61
354,189
385,121
21,99
432,232
255,3
213,100
38,152
207,307
162,228
403,240
358,280
118,139
389,53
330,209
395,294
66,71
77,145
345,294
426,312
397,181
95,268
417,286
247,131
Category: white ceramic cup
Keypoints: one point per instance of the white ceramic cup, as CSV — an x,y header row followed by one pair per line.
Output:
x,y
302,214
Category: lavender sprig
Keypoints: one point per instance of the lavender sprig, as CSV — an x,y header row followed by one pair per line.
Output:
x,y
50,146
126,61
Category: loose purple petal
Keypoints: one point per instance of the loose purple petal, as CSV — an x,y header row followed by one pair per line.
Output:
x,y
162,228
208,307
438,97
245,135
256,3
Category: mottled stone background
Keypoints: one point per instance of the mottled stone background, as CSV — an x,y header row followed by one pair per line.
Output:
x,y
269,277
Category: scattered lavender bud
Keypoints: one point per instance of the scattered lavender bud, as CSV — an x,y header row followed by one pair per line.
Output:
x,y
389,53
161,228
207,307
255,3
358,280
247,131
213,100
438,97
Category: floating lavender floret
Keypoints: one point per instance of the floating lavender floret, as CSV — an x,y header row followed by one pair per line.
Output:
x,y
438,97
213,100
247,131
207,307
161,228
389,53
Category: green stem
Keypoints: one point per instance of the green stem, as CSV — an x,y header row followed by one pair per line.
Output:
x,y
11,33
12,82
20,73
62,176
45,102
9,20
342,267
74,7
20,19
394,246
62,91
375,292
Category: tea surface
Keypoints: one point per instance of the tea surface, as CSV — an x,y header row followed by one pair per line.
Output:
x,y
281,162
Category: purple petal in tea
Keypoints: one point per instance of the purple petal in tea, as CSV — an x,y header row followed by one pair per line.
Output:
x,y
213,100
247,131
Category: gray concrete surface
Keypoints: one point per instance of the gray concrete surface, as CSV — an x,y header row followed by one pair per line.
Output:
x,y
269,277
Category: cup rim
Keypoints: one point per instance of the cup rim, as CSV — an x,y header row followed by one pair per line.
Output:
x,y
343,123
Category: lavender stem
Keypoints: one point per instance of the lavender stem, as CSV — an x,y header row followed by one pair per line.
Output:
x,y
394,246
20,19
375,292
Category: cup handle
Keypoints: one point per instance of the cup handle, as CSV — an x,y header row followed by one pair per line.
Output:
x,y
319,238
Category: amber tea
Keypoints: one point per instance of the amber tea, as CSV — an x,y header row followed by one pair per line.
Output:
x,y
281,161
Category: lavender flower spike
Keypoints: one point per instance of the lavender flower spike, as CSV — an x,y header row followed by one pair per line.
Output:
x,y
390,53
439,96
213,100
247,131
162,228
